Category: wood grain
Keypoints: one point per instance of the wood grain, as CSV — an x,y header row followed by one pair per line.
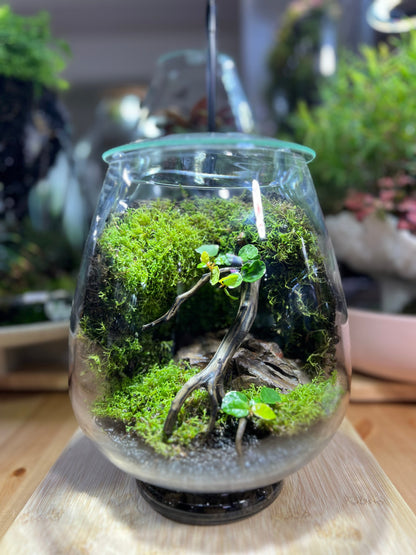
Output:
x,y
389,431
34,429
340,503
38,378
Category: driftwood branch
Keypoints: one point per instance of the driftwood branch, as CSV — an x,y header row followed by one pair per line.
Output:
x,y
262,362
182,298
239,353
212,376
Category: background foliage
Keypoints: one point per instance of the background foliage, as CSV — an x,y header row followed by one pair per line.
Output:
x,y
29,52
365,127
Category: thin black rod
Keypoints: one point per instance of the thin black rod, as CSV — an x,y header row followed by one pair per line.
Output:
x,y
211,71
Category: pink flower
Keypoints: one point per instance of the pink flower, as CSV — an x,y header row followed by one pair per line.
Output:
x,y
396,195
411,218
387,197
407,205
357,200
403,180
362,204
403,224
386,183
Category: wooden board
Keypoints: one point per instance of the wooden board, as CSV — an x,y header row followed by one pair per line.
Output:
x,y
340,503
34,430
367,389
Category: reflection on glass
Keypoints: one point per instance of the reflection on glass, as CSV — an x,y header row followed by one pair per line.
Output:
x,y
176,101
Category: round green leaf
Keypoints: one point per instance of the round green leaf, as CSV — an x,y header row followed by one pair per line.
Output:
x,y
269,395
222,260
232,280
248,252
235,404
204,257
234,260
252,271
263,411
212,250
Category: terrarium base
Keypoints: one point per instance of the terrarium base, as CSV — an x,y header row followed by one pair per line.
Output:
x,y
208,508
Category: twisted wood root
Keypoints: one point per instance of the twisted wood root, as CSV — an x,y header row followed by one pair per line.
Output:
x,y
270,368
180,299
213,375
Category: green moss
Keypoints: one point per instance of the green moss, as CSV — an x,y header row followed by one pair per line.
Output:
x,y
298,291
301,407
142,404
149,253
29,52
143,259
147,256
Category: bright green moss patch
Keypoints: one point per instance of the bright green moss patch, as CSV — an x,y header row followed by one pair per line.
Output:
x,y
150,250
142,404
303,406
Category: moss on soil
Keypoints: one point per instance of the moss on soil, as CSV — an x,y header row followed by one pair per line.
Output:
x,y
146,256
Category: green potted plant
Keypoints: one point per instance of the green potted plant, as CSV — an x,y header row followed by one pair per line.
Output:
x,y
41,210
365,134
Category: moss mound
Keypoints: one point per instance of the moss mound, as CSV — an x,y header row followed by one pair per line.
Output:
x,y
147,256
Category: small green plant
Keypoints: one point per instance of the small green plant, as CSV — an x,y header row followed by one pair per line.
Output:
x,y
29,52
248,259
237,404
281,413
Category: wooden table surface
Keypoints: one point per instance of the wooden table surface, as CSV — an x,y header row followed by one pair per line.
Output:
x,y
35,427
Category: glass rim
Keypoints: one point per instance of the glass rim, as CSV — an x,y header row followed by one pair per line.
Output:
x,y
196,141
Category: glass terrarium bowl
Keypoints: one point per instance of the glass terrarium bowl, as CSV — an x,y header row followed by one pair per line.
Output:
x,y
209,334
176,101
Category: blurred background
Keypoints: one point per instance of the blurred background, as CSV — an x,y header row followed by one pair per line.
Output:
x,y
293,69
116,43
